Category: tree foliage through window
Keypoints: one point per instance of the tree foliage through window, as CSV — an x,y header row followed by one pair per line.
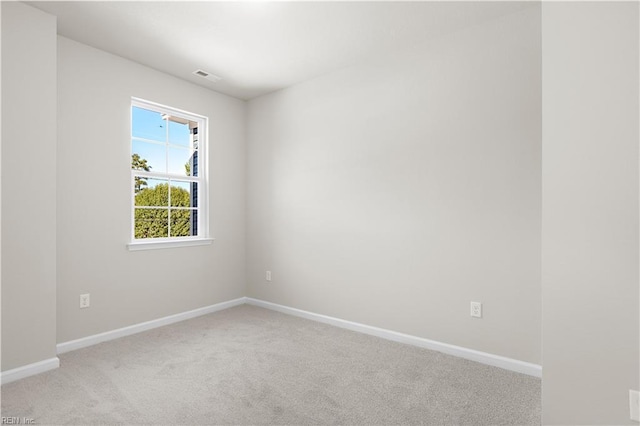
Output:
x,y
154,222
138,163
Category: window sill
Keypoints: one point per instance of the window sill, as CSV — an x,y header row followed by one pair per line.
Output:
x,y
164,244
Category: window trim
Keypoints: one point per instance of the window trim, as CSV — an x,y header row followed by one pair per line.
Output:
x,y
153,244
204,236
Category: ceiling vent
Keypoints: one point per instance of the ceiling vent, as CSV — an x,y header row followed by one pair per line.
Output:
x,y
211,77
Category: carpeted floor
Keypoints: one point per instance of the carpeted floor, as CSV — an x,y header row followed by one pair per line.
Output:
x,y
248,365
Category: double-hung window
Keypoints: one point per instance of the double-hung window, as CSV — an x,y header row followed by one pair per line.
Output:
x,y
168,176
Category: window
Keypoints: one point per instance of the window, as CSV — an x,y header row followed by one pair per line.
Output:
x,y
168,176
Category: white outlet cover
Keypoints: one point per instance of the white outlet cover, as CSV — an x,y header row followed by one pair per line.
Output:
x,y
634,405
85,300
268,276
476,309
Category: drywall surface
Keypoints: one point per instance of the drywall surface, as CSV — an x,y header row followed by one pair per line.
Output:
x,y
590,211
94,201
395,192
28,185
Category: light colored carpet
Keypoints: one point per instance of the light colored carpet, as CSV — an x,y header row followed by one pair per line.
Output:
x,y
248,365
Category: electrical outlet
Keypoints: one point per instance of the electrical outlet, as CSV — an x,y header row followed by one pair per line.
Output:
x,y
634,405
85,301
476,309
268,276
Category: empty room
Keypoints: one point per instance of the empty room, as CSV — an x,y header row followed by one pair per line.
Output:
x,y
344,213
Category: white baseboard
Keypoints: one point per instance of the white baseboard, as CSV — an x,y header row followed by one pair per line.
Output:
x,y
470,354
459,351
144,326
29,370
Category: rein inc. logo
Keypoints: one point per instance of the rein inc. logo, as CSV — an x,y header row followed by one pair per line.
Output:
x,y
18,421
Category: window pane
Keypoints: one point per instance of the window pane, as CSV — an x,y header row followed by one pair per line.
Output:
x,y
151,223
183,223
164,159
152,192
150,156
148,124
179,133
183,194
181,161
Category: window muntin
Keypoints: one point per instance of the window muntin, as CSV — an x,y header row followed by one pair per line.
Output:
x,y
168,174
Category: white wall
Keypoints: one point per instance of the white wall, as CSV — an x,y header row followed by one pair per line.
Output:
x,y
395,192
28,185
94,95
590,211
0,187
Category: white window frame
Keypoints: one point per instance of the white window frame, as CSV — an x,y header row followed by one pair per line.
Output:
x,y
202,179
